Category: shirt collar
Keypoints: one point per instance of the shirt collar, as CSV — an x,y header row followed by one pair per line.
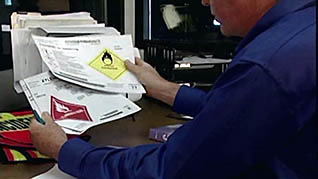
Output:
x,y
281,9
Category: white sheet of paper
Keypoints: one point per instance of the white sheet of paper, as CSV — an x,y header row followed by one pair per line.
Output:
x,y
31,20
74,108
69,58
80,29
171,16
26,58
195,60
54,173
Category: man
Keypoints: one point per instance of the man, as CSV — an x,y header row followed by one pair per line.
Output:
x,y
256,122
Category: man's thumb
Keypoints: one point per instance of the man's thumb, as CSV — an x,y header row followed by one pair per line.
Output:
x,y
46,117
130,66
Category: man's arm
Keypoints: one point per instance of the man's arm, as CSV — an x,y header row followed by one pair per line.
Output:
x,y
185,100
245,121
235,130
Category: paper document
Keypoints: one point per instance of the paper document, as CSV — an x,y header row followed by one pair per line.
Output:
x,y
30,63
20,21
54,173
70,30
74,108
171,16
26,59
195,60
95,61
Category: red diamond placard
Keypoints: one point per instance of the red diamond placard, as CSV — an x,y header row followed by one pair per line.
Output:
x,y
61,110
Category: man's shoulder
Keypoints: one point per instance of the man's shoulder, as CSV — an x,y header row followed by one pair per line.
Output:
x,y
286,37
286,51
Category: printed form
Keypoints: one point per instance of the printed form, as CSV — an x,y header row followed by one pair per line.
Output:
x,y
94,61
74,108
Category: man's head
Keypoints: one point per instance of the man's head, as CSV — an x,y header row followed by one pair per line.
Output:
x,y
238,16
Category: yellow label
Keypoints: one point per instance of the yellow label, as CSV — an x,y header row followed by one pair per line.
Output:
x,y
109,63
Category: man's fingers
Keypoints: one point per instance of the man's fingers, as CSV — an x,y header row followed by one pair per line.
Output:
x,y
34,123
139,62
47,117
131,67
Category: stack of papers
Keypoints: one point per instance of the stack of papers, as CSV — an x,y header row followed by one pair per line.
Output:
x,y
73,68
26,59
22,21
74,108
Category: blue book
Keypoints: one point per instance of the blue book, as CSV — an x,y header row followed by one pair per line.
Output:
x,y
162,134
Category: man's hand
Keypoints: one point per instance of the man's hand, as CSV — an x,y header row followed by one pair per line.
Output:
x,y
146,75
156,86
48,138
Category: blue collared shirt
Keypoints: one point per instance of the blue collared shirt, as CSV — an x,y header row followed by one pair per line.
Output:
x,y
256,122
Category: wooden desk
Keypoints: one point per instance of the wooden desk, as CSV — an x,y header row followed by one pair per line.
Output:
x,y
124,132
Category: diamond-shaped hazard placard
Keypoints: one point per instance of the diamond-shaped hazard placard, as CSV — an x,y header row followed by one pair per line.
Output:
x,y
109,63
61,110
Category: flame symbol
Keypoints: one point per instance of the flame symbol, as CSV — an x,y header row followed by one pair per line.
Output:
x,y
107,58
61,108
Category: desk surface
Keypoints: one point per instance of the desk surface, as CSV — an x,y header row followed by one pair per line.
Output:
x,y
124,132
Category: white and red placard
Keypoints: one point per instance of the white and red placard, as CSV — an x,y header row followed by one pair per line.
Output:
x,y
74,108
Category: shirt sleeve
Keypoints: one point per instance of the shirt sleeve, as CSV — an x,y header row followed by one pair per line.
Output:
x,y
189,101
245,121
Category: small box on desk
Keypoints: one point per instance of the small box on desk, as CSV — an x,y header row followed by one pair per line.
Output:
x,y
162,134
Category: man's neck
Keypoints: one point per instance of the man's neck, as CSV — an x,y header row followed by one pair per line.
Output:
x,y
259,9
